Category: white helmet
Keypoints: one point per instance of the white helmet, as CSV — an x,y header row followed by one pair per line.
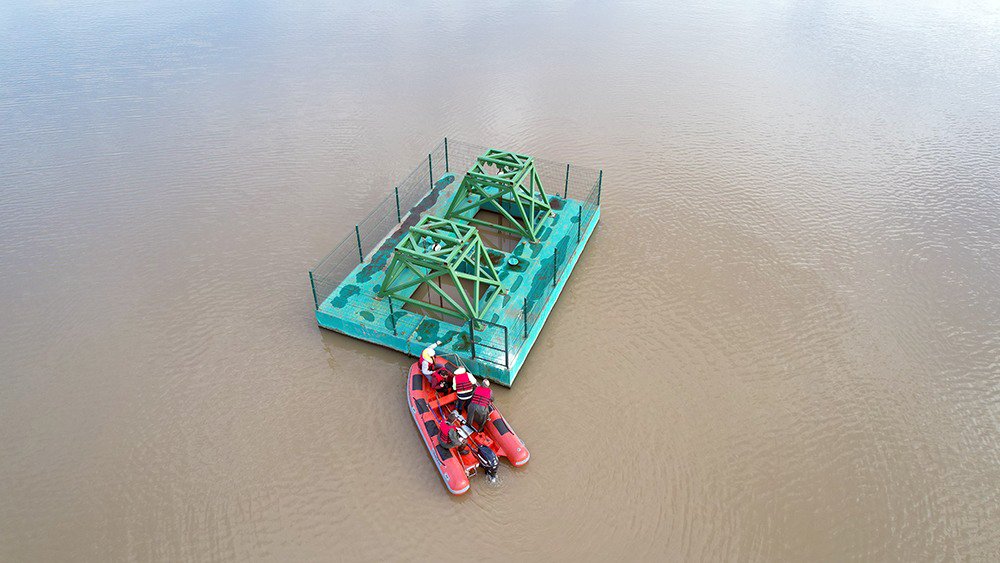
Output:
x,y
429,351
486,382
459,371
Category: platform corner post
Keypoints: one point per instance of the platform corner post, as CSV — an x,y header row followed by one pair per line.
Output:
x,y
566,188
446,168
357,235
430,171
312,283
579,224
399,216
600,178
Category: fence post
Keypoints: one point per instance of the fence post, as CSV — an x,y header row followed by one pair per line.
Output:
x,y
430,171
313,284
399,217
506,349
579,224
566,189
600,176
446,169
525,317
472,337
392,317
357,234
555,265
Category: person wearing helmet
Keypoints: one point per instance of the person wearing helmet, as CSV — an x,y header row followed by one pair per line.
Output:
x,y
479,407
463,383
437,377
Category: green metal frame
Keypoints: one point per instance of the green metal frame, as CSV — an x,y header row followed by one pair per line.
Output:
x,y
515,186
461,256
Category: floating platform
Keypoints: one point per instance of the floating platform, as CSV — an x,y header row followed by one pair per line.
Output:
x,y
476,260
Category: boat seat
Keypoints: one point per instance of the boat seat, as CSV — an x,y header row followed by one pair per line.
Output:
x,y
432,428
442,401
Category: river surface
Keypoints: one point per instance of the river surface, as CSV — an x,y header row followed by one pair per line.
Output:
x,y
782,343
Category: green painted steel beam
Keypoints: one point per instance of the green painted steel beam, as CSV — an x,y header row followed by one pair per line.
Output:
x,y
433,307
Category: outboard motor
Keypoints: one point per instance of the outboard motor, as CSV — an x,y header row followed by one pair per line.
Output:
x,y
488,461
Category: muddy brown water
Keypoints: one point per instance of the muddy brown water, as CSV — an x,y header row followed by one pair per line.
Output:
x,y
781,344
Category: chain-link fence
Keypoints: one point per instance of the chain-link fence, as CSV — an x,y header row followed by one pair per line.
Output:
x,y
401,208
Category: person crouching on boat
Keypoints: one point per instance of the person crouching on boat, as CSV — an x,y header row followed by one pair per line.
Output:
x,y
464,385
438,378
479,408
448,435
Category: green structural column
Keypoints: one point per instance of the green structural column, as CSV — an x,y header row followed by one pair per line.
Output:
x,y
392,317
361,255
566,188
312,283
399,217
600,177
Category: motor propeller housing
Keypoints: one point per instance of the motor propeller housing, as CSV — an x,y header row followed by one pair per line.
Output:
x,y
488,461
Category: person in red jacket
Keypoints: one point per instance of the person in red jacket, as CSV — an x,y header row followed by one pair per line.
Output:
x,y
479,407
448,436
463,383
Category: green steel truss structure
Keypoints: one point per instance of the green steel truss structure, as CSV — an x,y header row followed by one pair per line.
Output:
x,y
513,190
436,248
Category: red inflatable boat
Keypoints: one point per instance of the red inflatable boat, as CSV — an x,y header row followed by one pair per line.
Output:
x,y
481,450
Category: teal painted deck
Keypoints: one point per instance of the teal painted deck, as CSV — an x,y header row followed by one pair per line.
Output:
x,y
353,308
